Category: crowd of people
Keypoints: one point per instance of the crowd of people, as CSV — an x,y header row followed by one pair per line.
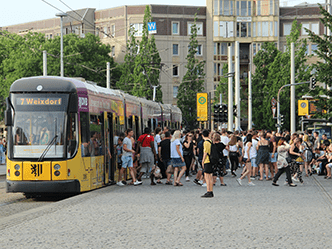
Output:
x,y
210,155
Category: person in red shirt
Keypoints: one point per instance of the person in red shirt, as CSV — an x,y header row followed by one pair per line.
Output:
x,y
146,154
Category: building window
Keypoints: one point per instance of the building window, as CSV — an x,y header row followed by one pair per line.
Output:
x,y
276,27
175,91
199,50
271,7
113,51
258,8
265,28
271,28
314,48
215,28
217,69
220,48
243,8
276,9
259,29
303,31
199,27
254,48
175,70
253,29
226,29
175,28
175,49
220,7
215,7
113,30
105,32
315,28
237,8
249,8
287,28
138,27
227,8
243,29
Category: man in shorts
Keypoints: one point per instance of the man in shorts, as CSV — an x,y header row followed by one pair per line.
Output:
x,y
127,158
207,166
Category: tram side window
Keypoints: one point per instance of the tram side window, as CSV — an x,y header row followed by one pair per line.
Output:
x,y
85,133
95,144
71,136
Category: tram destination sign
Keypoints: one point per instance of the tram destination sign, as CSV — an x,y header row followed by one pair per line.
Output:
x,y
33,101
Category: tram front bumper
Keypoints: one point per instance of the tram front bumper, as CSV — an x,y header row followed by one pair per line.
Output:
x,y
68,186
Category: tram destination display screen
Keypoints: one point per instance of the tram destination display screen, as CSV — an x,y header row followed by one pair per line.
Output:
x,y
38,102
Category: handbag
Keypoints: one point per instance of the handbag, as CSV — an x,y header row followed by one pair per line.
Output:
x,y
170,169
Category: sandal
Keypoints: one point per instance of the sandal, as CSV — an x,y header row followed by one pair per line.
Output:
x,y
131,183
159,182
223,184
168,183
179,184
260,179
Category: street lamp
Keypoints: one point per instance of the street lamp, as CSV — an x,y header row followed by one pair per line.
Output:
x,y
61,15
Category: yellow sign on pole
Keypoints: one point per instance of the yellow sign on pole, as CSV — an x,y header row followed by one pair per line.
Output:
x,y
303,107
202,107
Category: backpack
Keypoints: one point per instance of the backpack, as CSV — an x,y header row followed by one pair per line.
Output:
x,y
214,155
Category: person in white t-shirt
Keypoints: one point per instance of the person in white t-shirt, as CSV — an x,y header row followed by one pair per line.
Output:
x,y
225,140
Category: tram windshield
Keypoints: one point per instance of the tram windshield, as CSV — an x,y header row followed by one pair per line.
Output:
x,y
39,128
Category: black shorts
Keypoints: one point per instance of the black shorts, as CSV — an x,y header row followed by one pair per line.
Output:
x,y
208,168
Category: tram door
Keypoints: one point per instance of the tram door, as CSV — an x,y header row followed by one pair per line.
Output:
x,y
109,151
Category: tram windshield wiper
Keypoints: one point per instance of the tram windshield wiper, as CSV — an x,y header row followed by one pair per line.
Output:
x,y
49,145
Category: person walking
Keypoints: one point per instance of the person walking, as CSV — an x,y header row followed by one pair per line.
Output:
x,y
263,156
165,155
127,158
282,163
233,154
246,159
207,166
147,154
188,152
177,158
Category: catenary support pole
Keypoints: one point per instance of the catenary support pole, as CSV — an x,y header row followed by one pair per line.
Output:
x,y
237,85
44,63
249,101
292,103
108,76
230,88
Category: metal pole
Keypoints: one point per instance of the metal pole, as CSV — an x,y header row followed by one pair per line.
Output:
x,y
154,92
292,104
209,110
108,75
61,48
44,63
237,85
249,102
230,88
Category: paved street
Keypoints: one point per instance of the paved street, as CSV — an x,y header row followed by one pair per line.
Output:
x,y
2,169
162,216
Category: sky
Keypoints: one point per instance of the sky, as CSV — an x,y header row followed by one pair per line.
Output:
x,y
22,11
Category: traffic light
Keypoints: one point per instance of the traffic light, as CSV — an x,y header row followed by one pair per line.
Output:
x,y
282,120
216,108
234,110
223,113
312,84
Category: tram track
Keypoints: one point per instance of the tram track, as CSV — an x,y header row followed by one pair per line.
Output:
x,y
324,192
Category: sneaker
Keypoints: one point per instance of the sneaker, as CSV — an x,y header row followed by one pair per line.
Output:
x,y
251,184
119,184
137,183
252,178
207,195
204,185
187,179
295,179
239,181
200,182
275,184
197,182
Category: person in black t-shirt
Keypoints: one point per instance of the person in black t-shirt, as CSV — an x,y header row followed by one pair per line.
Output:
x,y
164,151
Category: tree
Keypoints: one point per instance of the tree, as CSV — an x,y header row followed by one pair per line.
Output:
x,y
127,68
147,64
272,72
21,56
192,82
323,67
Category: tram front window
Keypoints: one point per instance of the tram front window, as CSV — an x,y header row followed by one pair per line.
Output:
x,y
34,131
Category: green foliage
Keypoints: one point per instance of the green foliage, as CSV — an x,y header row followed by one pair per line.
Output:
x,y
222,87
323,67
142,64
272,72
21,56
192,82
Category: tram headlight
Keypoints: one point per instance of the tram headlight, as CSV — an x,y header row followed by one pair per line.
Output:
x,y
57,173
57,167
17,167
17,173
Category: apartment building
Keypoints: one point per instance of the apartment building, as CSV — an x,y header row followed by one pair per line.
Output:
x,y
220,23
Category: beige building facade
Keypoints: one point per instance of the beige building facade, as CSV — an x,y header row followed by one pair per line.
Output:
x,y
220,23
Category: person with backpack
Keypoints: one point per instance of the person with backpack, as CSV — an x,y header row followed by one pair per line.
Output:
x,y
219,168
207,163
